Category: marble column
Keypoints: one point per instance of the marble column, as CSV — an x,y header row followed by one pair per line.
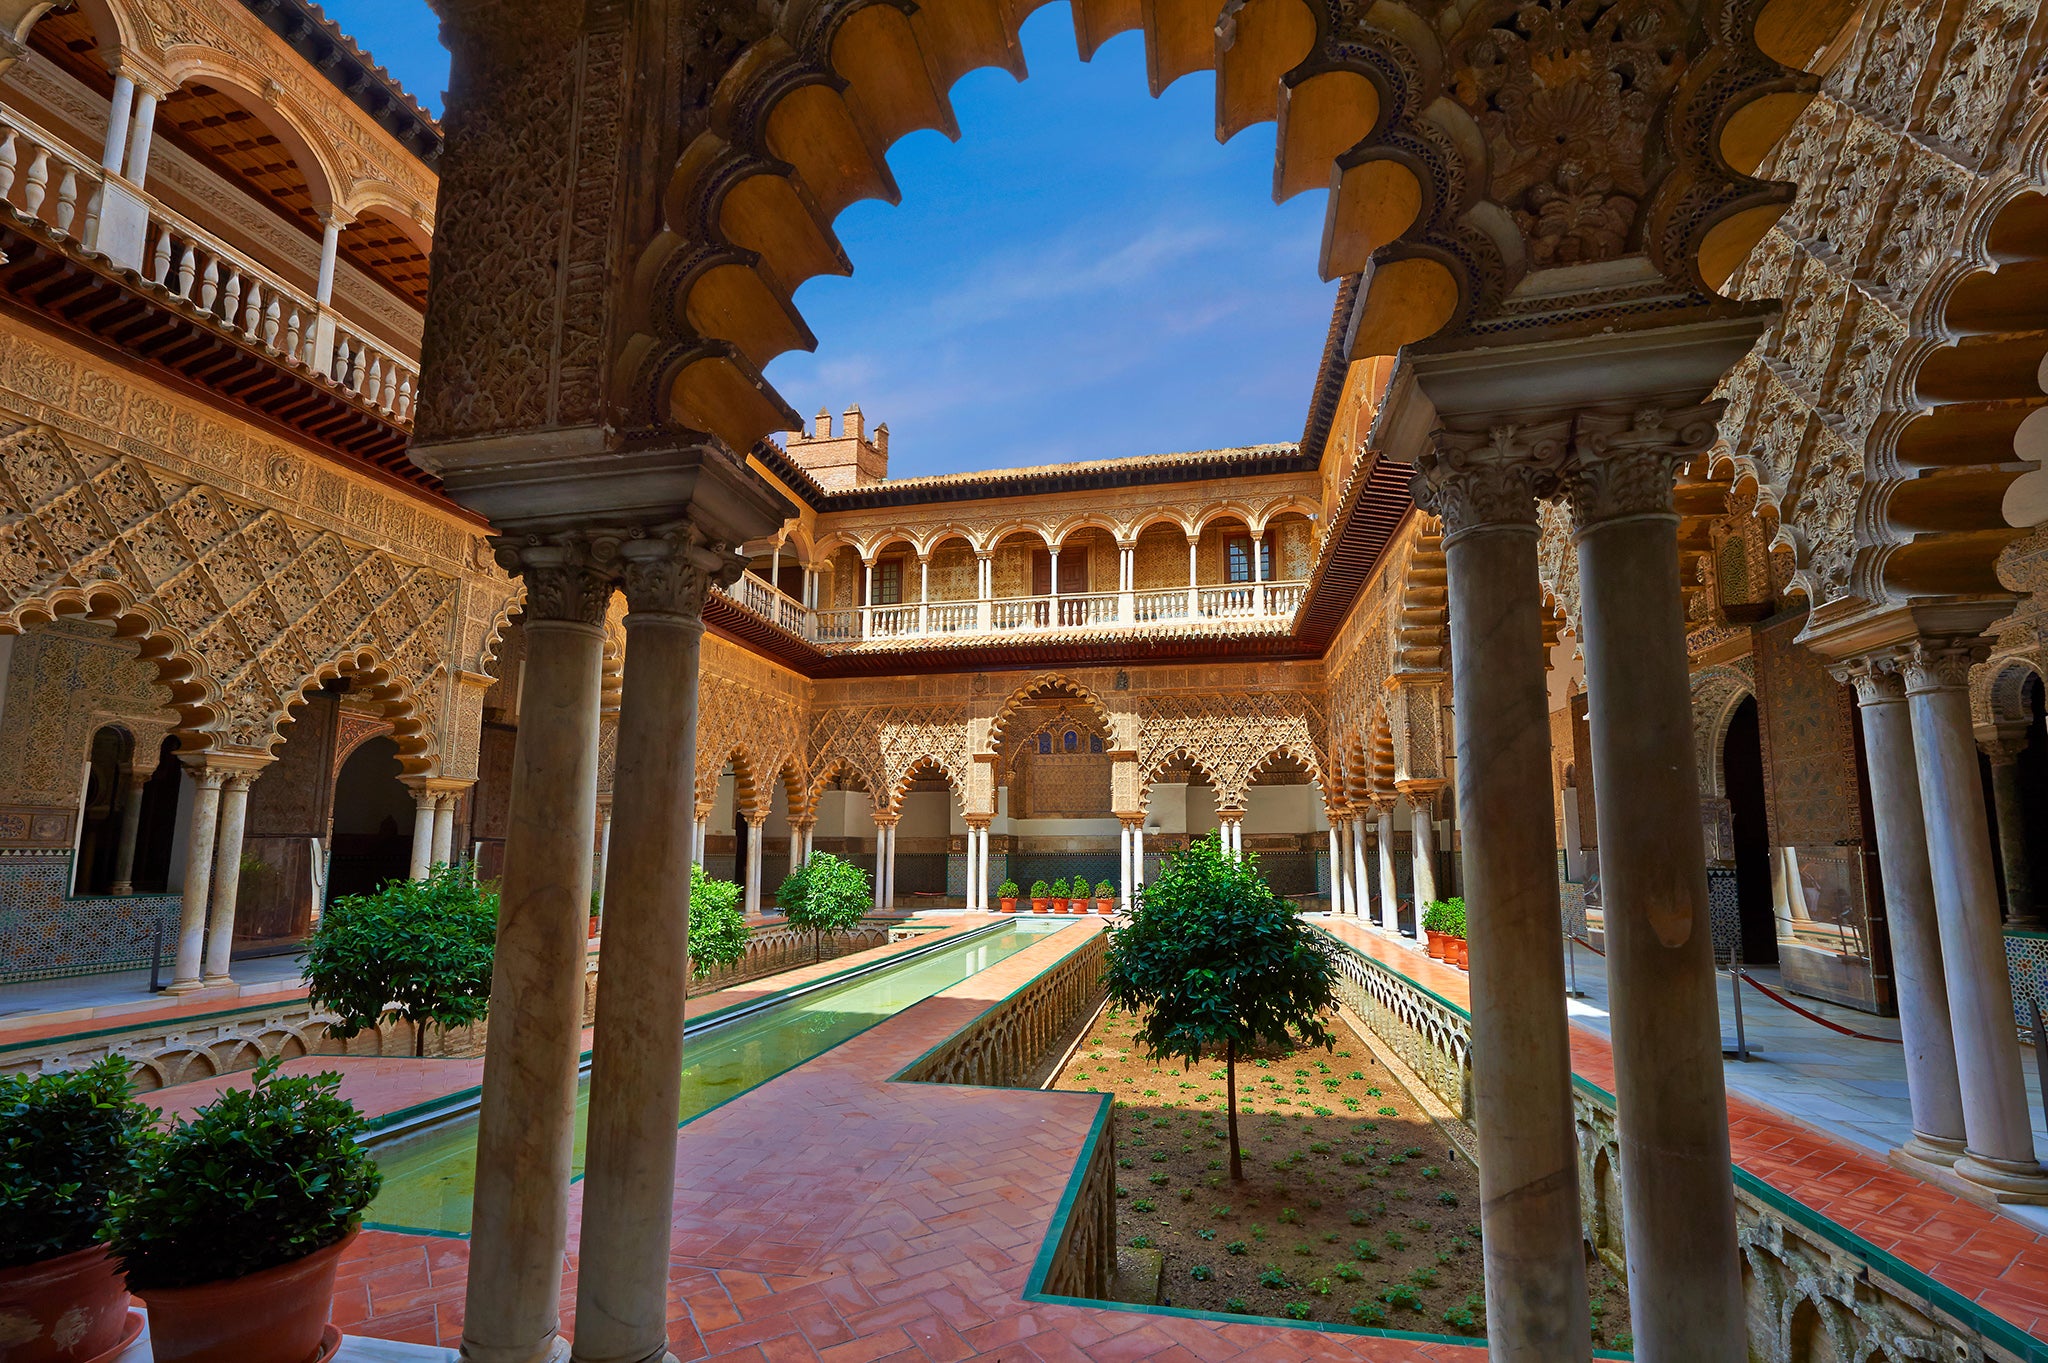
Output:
x,y
1997,1133
120,110
133,782
141,133
2011,810
1484,486
199,841
889,867
757,828
444,827
1336,864
881,859
1932,1090
604,845
424,805
1678,1193
227,875
1361,883
1422,839
637,1055
1390,880
526,1121
703,832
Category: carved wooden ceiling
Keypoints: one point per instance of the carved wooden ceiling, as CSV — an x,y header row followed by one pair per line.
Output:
x,y
219,131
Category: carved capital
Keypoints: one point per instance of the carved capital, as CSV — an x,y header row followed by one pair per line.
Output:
x,y
568,577
669,573
1937,664
1494,477
2003,746
1877,680
1624,464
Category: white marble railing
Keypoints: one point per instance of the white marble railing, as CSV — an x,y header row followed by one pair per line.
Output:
x,y
1237,605
43,178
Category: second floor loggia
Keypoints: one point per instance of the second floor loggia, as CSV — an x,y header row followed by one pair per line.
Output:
x,y
1210,570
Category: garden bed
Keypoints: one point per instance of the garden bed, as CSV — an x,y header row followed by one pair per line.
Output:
x,y
1355,1207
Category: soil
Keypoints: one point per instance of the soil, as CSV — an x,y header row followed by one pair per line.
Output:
x,y
1355,1207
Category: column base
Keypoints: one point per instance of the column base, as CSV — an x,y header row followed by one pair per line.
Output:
x,y
1925,1156
554,1349
1998,1180
217,981
186,986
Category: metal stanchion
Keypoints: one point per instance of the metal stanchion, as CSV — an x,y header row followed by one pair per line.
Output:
x,y
156,958
1741,1049
1571,968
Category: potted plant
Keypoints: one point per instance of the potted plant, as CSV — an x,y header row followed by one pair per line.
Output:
x,y
419,951
67,1141
1436,921
1060,895
1455,944
1006,895
1105,898
239,1217
1083,892
1041,897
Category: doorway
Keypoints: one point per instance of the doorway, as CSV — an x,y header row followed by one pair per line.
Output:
x,y
1742,772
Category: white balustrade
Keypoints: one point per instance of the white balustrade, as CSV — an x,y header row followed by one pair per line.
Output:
x,y
46,180
1152,607
953,617
1220,603
372,372
1095,608
1283,597
892,622
837,627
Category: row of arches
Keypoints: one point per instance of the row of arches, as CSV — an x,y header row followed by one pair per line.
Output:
x,y
1050,531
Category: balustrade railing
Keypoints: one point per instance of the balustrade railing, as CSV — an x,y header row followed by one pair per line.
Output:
x,y
48,181
1017,614
374,374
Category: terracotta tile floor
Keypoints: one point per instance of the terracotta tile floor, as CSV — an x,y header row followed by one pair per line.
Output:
x,y
1988,1258
832,1215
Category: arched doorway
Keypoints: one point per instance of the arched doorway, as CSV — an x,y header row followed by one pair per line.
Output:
x,y
1742,767
129,815
373,818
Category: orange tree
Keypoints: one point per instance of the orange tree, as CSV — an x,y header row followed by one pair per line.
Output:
x,y
1212,960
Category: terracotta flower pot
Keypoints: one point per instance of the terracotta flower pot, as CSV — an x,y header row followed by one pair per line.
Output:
x,y
1436,944
1106,905
1059,905
70,1309
1041,906
1459,947
1009,905
276,1316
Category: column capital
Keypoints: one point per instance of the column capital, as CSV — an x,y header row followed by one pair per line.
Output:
x,y
1491,477
756,818
1422,788
569,577
799,822
886,819
1877,679
2003,744
669,573
1930,665
1625,463
979,822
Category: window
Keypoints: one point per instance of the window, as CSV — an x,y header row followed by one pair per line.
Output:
x,y
1238,551
1095,743
1045,743
888,582
1072,742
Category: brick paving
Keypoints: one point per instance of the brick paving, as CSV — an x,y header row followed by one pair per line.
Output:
x,y
832,1215
1991,1259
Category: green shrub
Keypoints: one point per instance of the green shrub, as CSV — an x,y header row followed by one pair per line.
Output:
x,y
825,894
1080,884
1238,1306
1007,890
422,948
1040,890
1201,1273
1105,890
259,1177
1274,1278
718,925
1061,890
1299,1310
1369,1313
1446,916
66,1142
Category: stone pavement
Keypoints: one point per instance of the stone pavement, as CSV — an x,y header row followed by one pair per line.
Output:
x,y
1998,1262
45,1008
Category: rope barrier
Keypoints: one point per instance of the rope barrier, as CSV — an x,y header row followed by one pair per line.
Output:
x,y
1775,997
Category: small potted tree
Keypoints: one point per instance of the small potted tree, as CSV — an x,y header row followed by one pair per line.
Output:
x,y
67,1141
421,949
1083,892
238,1220
719,934
1212,960
1041,897
1060,894
1006,895
1455,948
1436,922
1105,897
825,894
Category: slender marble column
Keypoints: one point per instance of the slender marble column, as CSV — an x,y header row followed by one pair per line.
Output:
x,y
604,846
1996,1129
1422,835
227,875
1485,487
1390,882
881,860
636,1060
757,829
2011,809
526,1123
141,132
444,828
1932,1090
199,841
131,825
1362,903
424,803
1678,1193
889,887
1336,865
120,110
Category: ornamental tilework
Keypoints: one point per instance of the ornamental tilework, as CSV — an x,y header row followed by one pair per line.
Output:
x,y
2026,957
46,934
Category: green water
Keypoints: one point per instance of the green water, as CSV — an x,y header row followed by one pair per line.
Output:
x,y
429,1179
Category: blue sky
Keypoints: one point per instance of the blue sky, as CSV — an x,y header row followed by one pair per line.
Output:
x,y
1085,274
